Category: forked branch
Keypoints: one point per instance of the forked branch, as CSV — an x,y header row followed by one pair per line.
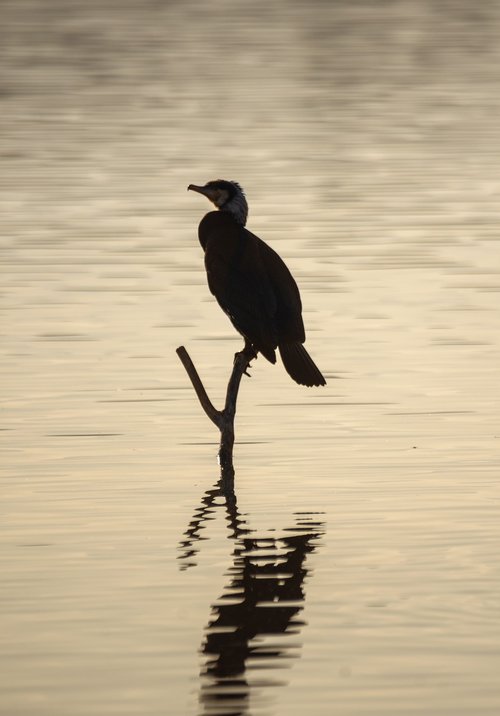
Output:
x,y
224,419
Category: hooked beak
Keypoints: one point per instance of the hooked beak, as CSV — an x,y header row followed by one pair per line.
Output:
x,y
201,190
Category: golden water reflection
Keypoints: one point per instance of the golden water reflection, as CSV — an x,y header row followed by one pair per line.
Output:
x,y
366,137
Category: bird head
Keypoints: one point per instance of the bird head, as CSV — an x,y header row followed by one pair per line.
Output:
x,y
227,196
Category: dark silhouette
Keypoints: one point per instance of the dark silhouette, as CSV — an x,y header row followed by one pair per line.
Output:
x,y
261,603
252,284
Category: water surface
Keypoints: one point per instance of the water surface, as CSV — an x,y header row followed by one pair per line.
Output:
x,y
355,570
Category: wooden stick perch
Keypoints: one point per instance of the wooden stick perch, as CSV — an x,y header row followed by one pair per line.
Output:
x,y
224,419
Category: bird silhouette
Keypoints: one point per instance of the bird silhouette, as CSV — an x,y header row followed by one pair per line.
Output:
x,y
252,284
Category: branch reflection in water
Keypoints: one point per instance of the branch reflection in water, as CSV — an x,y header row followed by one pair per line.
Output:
x,y
252,622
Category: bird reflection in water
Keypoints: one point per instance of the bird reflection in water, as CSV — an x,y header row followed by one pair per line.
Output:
x,y
253,622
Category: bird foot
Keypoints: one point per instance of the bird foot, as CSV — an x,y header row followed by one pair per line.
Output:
x,y
249,354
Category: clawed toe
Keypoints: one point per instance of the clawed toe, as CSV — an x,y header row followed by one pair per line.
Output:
x,y
249,354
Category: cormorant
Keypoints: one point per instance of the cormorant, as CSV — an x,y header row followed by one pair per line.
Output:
x,y
252,284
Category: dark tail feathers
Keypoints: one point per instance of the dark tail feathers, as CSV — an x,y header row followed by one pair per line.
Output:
x,y
299,365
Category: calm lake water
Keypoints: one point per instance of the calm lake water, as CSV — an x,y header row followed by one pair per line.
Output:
x,y
356,570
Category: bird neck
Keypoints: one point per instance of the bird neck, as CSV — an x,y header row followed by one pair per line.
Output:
x,y
237,207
